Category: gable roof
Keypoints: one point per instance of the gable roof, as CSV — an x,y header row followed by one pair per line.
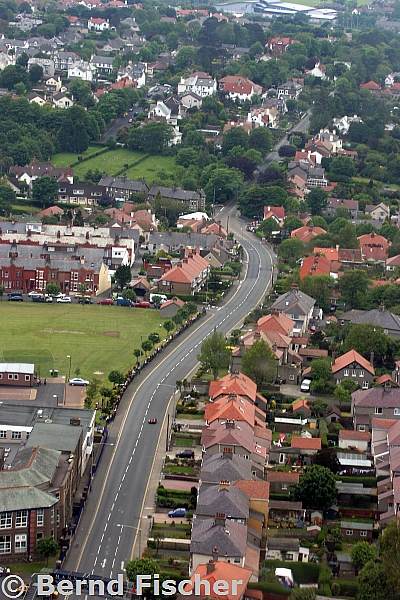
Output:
x,y
294,297
230,538
230,407
299,404
255,490
306,443
282,477
222,571
351,357
232,502
377,397
315,265
346,434
231,467
278,322
233,383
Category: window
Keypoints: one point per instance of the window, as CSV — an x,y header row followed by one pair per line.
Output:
x,y
16,435
354,373
365,385
10,376
3,434
20,543
361,373
16,376
361,428
349,532
282,458
346,372
27,378
289,556
291,377
284,486
39,536
58,516
52,514
363,534
18,273
5,544
21,518
378,410
57,495
40,517
5,520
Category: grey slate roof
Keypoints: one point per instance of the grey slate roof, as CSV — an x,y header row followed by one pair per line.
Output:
x,y
175,193
230,539
217,466
233,502
63,438
123,184
384,318
31,467
377,397
287,301
292,544
25,498
352,314
174,239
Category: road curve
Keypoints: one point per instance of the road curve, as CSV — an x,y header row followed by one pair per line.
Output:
x,y
109,526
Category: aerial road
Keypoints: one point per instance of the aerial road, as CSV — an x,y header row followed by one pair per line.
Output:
x,y
113,517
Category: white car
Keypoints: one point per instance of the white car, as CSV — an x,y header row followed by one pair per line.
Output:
x,y
66,300
78,381
34,293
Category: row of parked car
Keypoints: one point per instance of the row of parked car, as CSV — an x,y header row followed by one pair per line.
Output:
x,y
17,296
124,302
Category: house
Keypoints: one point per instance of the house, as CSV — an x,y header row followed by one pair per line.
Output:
x,y
60,100
334,203
374,247
191,100
393,262
378,402
122,187
281,482
333,415
380,212
306,445
224,466
98,24
171,307
283,510
257,493
264,117
35,98
135,72
81,193
376,316
103,64
287,549
36,169
199,83
360,440
276,322
278,45
307,232
64,60
275,212
47,65
297,306
316,177
226,498
205,581
17,374
352,530
187,277
301,408
52,83
374,88
342,125
316,265
239,87
193,200
82,70
289,89
353,365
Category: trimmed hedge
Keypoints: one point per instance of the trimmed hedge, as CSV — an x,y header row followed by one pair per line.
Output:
x,y
266,587
130,165
367,481
348,587
88,157
302,572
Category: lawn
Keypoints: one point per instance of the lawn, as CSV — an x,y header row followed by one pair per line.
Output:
x,y
183,442
109,162
98,338
151,166
63,159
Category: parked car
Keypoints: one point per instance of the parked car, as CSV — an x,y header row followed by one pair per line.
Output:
x,y
15,293
85,301
106,301
16,298
178,512
123,302
78,381
305,385
142,304
185,454
65,300
34,293
38,298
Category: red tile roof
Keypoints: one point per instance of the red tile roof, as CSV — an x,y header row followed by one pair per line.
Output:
x,y
315,265
223,571
255,490
349,358
301,403
276,322
283,476
307,232
346,434
306,443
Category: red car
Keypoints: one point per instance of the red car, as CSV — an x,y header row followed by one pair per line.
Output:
x,y
107,301
142,304
152,421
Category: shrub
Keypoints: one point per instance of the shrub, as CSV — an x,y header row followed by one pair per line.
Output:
x,y
335,588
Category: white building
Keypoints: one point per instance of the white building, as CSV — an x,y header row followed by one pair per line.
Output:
x,y
83,70
200,83
98,24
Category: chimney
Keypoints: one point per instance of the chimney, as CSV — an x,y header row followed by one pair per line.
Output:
x,y
215,554
82,260
227,453
58,234
274,311
210,566
220,519
87,235
274,347
230,424
381,307
224,484
294,287
371,360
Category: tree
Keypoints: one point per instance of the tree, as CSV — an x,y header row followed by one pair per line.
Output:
x,y
7,196
291,250
347,237
364,339
268,226
35,74
116,377
46,547
169,325
214,354
142,566
361,554
53,289
322,368
389,551
122,275
236,136
373,583
320,288
259,363
317,488
318,408
227,181
154,338
129,295
316,200
260,139
291,223
243,164
147,346
353,287
152,138
2,291
45,190
342,165
287,150
185,57
327,458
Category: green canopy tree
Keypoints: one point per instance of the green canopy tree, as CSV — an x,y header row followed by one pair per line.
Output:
x,y
259,363
47,547
326,457
361,554
366,338
45,190
389,552
116,377
122,276
353,287
317,488
316,200
373,583
52,289
214,354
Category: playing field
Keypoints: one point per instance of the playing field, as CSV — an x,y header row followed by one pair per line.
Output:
x,y
98,338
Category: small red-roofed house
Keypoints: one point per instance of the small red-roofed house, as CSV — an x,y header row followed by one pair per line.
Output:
x,y
306,445
278,322
275,212
205,581
374,247
169,308
301,407
306,233
374,88
315,265
282,482
239,87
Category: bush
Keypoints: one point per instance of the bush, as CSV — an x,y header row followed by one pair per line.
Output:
x,y
335,588
302,572
269,588
348,587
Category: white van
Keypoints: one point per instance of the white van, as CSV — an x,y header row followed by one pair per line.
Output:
x,y
305,385
162,296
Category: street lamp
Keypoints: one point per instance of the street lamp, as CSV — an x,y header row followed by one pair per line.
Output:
x,y
69,369
175,391
132,527
56,397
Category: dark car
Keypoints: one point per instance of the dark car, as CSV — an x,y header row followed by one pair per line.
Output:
x,y
16,298
38,299
185,454
15,293
85,301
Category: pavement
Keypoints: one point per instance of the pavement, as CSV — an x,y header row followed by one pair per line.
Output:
x,y
54,393
294,392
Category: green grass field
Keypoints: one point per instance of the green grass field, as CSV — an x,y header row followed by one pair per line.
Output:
x,y
63,159
151,166
98,338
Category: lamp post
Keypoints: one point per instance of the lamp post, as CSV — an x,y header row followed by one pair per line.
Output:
x,y
175,391
56,397
69,377
136,528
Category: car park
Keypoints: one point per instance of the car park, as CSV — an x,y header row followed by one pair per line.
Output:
x,y
185,454
78,381
106,301
178,512
65,300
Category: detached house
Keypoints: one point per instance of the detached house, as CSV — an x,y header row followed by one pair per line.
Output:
x,y
199,83
380,212
374,247
239,87
290,89
354,366
297,306
98,24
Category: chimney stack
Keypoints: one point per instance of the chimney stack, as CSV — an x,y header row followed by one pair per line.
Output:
x,y
230,424
224,484
214,555
371,360
227,453
210,566
220,519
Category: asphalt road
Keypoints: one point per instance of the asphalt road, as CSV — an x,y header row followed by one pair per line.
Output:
x,y
112,517
121,123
